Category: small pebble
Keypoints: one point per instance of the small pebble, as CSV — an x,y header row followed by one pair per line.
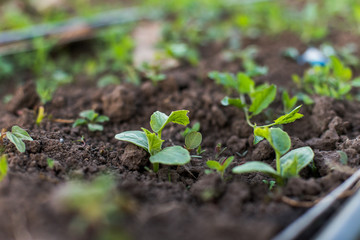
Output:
x,y
61,140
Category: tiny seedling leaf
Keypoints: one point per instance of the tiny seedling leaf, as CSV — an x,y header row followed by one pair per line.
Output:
x,y
193,140
255,166
174,155
257,139
288,102
246,84
154,142
20,133
343,157
213,164
232,101
303,157
280,140
19,144
290,117
102,118
95,127
261,99
135,137
159,120
79,121
289,168
89,114
227,162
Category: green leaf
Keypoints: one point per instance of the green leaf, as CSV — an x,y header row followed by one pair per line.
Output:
x,y
159,120
262,132
225,79
3,167
343,157
246,84
261,99
213,165
89,114
19,144
102,118
289,168
95,127
175,155
20,133
288,102
193,140
257,139
232,101
290,117
135,137
79,121
280,140
303,156
356,82
255,166
227,162
154,142
344,88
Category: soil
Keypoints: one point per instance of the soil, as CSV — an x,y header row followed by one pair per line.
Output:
x,y
178,202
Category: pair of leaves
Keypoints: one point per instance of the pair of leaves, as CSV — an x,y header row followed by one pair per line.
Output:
x,y
288,102
220,166
284,119
91,119
152,142
290,164
17,136
260,99
159,120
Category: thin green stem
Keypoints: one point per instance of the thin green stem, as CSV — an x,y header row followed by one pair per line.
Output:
x,y
155,167
246,111
278,162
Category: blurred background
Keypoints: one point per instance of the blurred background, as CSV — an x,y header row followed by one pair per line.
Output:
x,y
56,42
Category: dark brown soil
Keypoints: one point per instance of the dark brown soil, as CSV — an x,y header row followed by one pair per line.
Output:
x,y
178,202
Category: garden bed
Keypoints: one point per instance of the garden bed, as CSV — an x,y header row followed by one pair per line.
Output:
x,y
178,202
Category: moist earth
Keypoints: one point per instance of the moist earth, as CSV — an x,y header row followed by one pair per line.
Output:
x,y
178,202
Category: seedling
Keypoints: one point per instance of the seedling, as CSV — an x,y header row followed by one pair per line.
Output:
x,y
221,165
182,52
16,136
95,204
92,120
3,167
152,141
40,115
219,150
247,57
152,72
288,103
50,163
332,80
261,97
270,183
193,139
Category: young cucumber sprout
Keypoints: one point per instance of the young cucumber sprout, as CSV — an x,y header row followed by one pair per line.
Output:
x,y
221,165
152,141
287,165
16,136
92,120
